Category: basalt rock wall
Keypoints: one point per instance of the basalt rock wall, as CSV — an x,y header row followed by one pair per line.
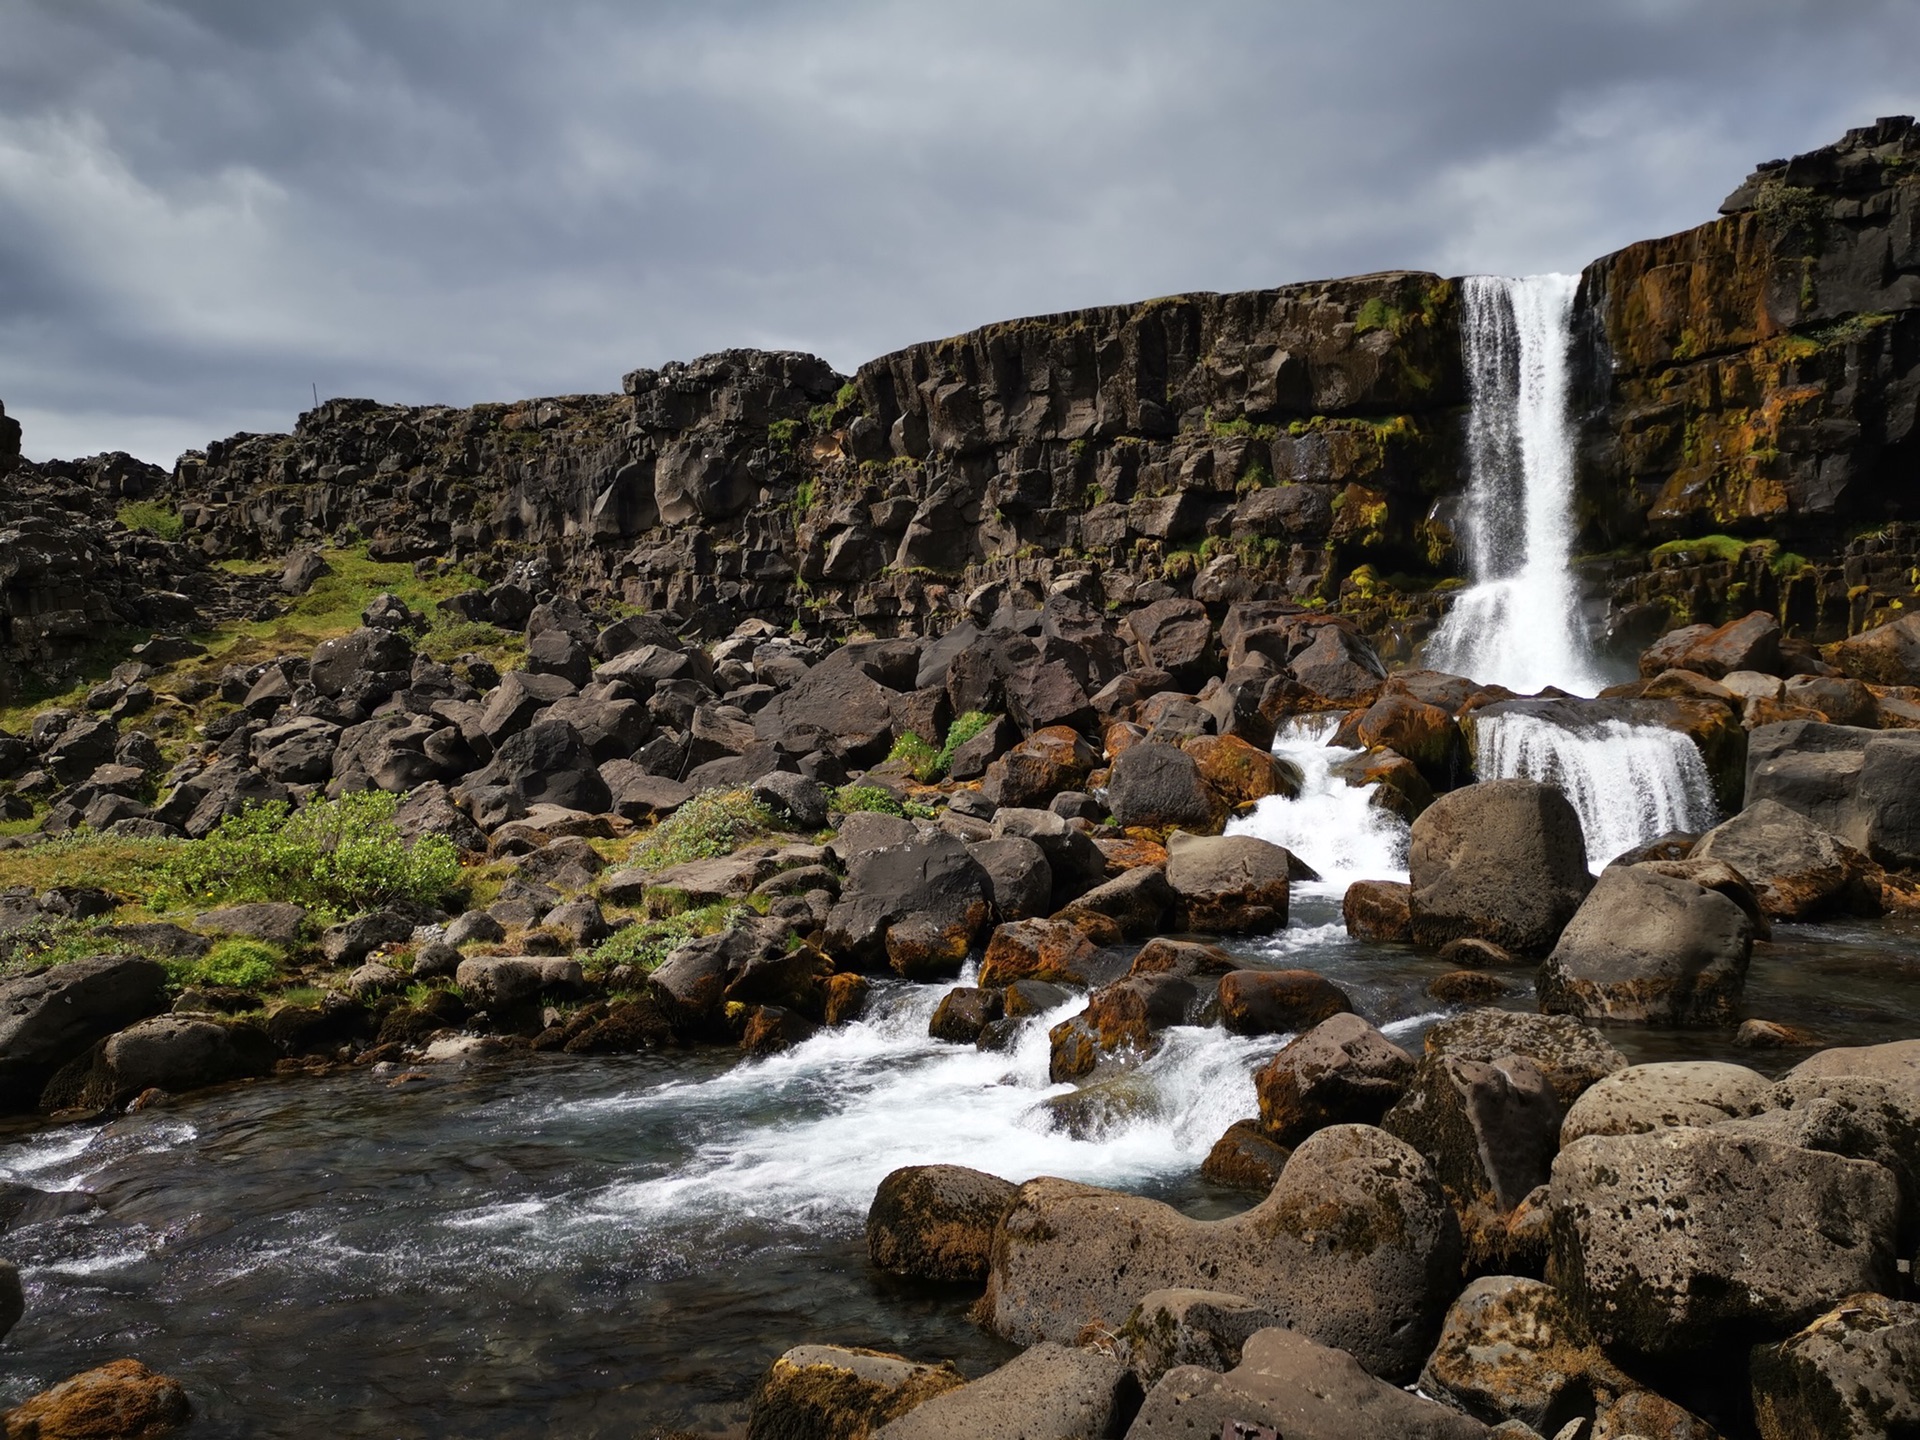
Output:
x,y
1279,443
1757,380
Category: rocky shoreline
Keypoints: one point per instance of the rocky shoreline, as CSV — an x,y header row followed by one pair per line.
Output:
x,y
659,749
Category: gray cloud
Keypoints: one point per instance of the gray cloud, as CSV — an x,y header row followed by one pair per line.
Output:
x,y
208,206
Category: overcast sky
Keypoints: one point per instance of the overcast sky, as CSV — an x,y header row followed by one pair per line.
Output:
x,y
208,208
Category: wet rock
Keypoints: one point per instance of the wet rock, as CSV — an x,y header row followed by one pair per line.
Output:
x,y
1848,1375
1574,1056
1378,910
1156,786
1503,860
831,1392
1069,1256
1194,959
1291,1386
506,981
353,941
1228,884
1131,906
1278,1002
49,1017
1048,1392
1341,1072
174,1053
1798,870
773,1028
1684,1240
1466,987
122,1400
1125,1017
1757,1034
1244,1159
691,983
1490,1127
1650,947
1170,1328
963,1013
1510,1349
1049,950
1652,1097
936,1222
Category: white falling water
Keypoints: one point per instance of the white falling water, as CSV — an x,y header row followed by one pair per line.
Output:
x,y
1628,783
1333,826
1518,624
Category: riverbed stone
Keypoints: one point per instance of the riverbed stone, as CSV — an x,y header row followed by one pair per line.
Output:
x,y
936,1222
1685,1240
1228,884
504,981
1293,1387
1641,1098
1245,1159
1355,1246
1170,1328
1050,950
963,1012
1850,1374
1510,1349
121,1400
1048,1392
1504,860
835,1392
1490,1127
51,1016
1278,1002
1378,910
1341,1072
1131,906
1572,1054
1798,870
1650,947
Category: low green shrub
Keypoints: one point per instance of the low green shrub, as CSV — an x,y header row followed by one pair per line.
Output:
x,y
244,964
645,944
339,857
922,759
711,824
851,799
963,729
152,518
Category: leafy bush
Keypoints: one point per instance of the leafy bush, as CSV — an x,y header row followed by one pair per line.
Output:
x,y
711,824
922,759
152,518
963,729
241,963
851,799
645,944
336,856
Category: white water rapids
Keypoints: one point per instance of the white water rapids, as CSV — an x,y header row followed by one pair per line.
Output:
x,y
1518,624
1333,826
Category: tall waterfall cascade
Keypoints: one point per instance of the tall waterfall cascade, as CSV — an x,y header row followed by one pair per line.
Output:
x,y
1518,624
1331,825
1628,783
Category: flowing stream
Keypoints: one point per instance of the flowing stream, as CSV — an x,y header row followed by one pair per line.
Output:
x,y
1518,624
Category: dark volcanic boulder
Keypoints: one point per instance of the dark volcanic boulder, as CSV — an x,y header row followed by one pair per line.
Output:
x,y
936,1222
934,881
1341,1072
1749,643
548,765
817,1392
1503,860
1645,946
1885,655
1378,910
338,663
50,1016
1228,884
835,698
1175,636
1798,870
1278,1002
1574,1056
173,1053
1156,786
1038,768
1491,1128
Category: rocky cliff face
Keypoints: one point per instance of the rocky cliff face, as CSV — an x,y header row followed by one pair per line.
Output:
x,y
1758,379
1748,406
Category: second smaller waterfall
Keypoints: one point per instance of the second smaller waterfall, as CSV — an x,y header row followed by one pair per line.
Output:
x,y
1629,783
1333,826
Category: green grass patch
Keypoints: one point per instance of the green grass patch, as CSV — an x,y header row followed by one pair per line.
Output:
x,y
711,824
646,943
339,857
923,760
873,799
1698,551
242,964
963,729
151,517
126,868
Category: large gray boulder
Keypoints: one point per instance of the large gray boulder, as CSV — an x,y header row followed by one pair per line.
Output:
x,y
1228,884
548,764
1154,785
933,881
1861,1101
1170,1328
1503,860
1341,1072
1049,1392
173,1053
1295,1388
1490,1127
1655,1097
51,1016
1798,870
1374,1281
936,1222
503,981
1686,1240
1510,1349
1851,1374
1573,1055
1650,947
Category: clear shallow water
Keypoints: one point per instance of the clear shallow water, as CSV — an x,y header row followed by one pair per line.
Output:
x,y
603,1247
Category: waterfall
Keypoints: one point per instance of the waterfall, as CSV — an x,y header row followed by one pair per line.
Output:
x,y
1518,624
1629,783
1333,826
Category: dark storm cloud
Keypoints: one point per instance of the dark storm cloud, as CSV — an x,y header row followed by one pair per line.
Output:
x,y
207,206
